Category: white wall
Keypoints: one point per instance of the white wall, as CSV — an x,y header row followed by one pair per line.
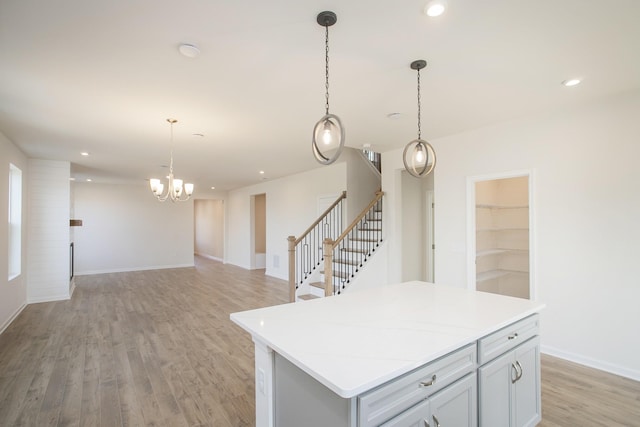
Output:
x,y
125,228
48,231
362,182
413,223
13,294
586,211
291,208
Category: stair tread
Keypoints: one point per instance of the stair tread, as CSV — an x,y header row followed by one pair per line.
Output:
x,y
346,261
362,239
339,274
319,285
307,297
361,251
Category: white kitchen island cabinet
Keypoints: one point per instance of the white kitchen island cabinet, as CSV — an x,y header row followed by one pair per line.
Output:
x,y
401,355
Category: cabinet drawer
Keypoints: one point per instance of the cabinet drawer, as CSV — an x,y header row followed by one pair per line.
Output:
x,y
390,399
507,338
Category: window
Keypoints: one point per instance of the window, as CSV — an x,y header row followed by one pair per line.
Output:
x,y
15,221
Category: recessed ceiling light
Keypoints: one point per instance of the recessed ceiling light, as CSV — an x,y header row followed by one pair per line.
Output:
x,y
213,188
571,82
435,8
261,172
89,180
189,50
84,153
72,179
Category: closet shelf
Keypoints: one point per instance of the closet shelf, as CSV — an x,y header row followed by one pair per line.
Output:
x,y
500,251
489,206
494,274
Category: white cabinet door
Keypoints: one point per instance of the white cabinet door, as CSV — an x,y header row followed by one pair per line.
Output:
x,y
456,405
495,392
509,388
527,405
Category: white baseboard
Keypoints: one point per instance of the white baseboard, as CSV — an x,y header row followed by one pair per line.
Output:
x,y
11,318
211,257
277,276
127,269
592,363
47,298
244,267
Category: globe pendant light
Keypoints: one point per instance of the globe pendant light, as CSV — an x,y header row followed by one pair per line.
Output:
x,y
419,156
328,133
175,190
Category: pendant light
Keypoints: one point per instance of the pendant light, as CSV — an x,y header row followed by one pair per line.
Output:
x,y
176,192
328,133
419,157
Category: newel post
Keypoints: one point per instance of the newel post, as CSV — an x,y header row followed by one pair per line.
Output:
x,y
292,268
327,252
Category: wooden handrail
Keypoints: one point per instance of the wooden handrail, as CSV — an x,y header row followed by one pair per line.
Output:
x,y
325,213
355,222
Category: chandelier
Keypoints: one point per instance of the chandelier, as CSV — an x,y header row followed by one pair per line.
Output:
x,y
328,133
176,192
419,156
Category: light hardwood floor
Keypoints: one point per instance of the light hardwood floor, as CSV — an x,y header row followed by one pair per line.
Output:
x,y
157,348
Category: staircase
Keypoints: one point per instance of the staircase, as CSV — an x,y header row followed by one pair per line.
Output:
x,y
339,258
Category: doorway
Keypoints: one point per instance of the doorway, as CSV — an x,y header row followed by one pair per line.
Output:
x,y
209,228
259,231
500,230
417,227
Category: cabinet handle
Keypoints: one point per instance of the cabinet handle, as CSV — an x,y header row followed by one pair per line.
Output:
x,y
519,366
514,368
431,382
435,420
512,337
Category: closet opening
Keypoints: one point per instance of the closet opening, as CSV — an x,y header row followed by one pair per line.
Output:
x,y
500,223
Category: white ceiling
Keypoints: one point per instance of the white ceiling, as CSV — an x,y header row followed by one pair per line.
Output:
x,y
102,76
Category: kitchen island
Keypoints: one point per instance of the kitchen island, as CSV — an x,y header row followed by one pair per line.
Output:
x,y
398,355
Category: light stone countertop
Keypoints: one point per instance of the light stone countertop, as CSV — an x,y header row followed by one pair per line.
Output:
x,y
356,341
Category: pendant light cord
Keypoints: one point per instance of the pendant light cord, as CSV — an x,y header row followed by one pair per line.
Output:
x,y
326,66
419,108
171,148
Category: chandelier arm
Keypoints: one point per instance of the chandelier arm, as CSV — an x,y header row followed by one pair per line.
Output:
x,y
162,198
